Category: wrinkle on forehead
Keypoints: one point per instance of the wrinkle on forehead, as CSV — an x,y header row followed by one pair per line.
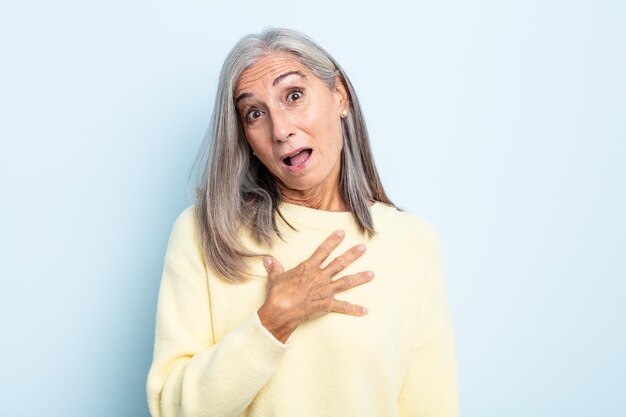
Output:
x,y
267,69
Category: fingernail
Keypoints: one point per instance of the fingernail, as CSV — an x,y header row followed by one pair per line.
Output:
x,y
370,273
361,248
365,310
267,261
341,233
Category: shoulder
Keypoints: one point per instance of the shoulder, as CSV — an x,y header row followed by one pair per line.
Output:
x,y
184,259
409,233
183,232
409,227
186,218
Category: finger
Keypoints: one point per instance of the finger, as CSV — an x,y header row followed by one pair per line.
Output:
x,y
272,266
350,281
340,262
345,307
326,248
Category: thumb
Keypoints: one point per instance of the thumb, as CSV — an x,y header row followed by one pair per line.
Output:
x,y
272,266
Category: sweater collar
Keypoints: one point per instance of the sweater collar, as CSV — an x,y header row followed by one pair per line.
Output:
x,y
329,220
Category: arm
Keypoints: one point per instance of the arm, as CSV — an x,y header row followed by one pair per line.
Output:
x,y
430,388
191,375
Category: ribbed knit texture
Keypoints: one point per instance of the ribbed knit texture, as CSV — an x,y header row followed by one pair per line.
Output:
x,y
214,358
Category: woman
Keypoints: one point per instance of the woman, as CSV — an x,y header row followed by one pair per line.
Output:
x,y
268,304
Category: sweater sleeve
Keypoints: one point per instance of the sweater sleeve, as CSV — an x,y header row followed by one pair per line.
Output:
x,y
191,375
430,388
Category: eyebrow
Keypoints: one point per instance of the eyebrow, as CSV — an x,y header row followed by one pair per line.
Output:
x,y
274,83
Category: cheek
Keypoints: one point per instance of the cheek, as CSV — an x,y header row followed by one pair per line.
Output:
x,y
327,128
334,134
263,151
257,143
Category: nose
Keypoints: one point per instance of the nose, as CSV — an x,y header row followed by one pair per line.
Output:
x,y
282,125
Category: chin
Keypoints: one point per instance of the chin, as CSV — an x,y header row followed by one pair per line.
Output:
x,y
301,184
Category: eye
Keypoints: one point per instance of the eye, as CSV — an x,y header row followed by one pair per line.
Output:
x,y
294,95
252,115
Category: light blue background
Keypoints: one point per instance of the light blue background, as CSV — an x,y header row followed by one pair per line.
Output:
x,y
502,123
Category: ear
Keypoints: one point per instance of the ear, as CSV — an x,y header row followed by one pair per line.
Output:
x,y
342,97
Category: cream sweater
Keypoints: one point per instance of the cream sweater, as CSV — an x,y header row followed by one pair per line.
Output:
x,y
214,358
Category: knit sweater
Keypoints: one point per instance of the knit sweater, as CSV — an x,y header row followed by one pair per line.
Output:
x,y
214,358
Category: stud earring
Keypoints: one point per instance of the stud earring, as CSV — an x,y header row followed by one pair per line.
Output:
x,y
344,114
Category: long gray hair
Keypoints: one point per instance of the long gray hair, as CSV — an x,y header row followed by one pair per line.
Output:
x,y
236,192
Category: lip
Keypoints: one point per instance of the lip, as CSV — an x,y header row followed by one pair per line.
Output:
x,y
301,166
295,151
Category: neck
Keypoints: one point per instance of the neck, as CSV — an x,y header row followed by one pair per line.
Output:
x,y
327,200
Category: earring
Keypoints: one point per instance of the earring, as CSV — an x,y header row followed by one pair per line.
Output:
x,y
344,114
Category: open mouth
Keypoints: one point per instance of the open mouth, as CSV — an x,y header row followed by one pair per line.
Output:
x,y
299,158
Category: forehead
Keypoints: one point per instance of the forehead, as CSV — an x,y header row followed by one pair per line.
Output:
x,y
263,72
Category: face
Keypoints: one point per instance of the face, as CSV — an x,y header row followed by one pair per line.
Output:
x,y
292,121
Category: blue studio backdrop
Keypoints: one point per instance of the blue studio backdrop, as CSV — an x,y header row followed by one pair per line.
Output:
x,y
502,123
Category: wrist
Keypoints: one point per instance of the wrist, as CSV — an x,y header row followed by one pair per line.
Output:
x,y
280,325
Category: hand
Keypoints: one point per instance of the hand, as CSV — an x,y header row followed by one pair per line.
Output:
x,y
307,291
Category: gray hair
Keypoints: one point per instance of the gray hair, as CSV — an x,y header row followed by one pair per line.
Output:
x,y
235,191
